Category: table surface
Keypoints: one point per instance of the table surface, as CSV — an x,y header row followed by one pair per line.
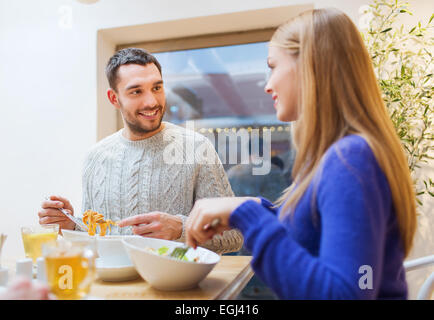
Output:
x,y
225,281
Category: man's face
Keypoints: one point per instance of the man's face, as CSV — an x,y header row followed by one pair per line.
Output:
x,y
140,97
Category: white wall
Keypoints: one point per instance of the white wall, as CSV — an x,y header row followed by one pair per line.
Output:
x,y
48,89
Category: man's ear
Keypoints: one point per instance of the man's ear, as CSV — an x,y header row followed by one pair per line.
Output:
x,y
113,98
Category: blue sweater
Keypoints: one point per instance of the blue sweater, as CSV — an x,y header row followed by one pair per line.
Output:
x,y
349,247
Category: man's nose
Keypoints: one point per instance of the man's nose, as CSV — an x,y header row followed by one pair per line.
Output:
x,y
149,100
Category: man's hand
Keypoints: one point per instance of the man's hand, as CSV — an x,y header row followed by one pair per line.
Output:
x,y
49,212
155,225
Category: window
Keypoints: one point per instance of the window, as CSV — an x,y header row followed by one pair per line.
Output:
x,y
220,88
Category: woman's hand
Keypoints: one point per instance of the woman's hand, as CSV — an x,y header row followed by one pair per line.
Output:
x,y
24,289
204,212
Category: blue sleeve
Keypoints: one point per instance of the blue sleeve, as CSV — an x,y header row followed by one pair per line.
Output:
x,y
269,205
352,201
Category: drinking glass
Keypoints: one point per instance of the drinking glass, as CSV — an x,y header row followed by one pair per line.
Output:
x,y
70,268
35,236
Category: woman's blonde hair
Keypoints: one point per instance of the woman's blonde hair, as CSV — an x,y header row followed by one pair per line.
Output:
x,y
340,96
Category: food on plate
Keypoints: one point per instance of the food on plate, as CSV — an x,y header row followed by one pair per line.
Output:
x,y
164,251
92,219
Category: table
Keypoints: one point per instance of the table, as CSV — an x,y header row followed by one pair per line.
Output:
x,y
225,281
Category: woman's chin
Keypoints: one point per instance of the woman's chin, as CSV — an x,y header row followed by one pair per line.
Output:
x,y
282,116
285,116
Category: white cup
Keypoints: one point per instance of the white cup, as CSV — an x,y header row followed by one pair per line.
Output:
x,y
25,268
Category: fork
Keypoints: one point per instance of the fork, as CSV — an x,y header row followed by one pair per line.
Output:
x,y
71,217
179,252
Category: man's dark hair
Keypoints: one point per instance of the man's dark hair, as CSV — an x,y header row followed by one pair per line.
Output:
x,y
127,56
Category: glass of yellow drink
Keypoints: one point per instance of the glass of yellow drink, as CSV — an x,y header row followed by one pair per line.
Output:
x,y
70,268
35,236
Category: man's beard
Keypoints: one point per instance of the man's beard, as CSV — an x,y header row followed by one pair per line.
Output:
x,y
135,126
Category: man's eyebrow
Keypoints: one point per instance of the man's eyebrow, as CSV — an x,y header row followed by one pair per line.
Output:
x,y
135,86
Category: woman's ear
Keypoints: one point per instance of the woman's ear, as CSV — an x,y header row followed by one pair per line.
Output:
x,y
113,98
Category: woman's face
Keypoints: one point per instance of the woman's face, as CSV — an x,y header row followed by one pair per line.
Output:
x,y
283,83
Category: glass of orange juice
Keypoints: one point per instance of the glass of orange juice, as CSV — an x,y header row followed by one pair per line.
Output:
x,y
70,268
35,236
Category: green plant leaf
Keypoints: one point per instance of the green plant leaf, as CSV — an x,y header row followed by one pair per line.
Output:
x,y
406,11
386,30
402,62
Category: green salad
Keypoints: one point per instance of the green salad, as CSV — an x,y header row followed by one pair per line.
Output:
x,y
164,251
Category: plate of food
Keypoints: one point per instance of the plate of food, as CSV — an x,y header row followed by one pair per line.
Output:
x,y
112,263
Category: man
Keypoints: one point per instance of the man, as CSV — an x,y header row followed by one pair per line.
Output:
x,y
127,176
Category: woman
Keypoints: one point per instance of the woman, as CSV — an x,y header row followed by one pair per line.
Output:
x,y
345,225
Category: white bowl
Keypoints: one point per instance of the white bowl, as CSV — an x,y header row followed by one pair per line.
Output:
x,y
81,235
112,247
165,273
115,268
74,235
113,262
106,246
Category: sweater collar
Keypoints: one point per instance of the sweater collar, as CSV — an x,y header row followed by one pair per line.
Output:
x,y
144,142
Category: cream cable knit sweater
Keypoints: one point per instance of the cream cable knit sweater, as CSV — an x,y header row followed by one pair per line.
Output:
x,y
122,178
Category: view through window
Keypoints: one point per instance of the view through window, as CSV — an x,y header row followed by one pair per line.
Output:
x,y
221,89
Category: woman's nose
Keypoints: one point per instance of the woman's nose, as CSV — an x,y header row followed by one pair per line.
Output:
x,y
268,89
